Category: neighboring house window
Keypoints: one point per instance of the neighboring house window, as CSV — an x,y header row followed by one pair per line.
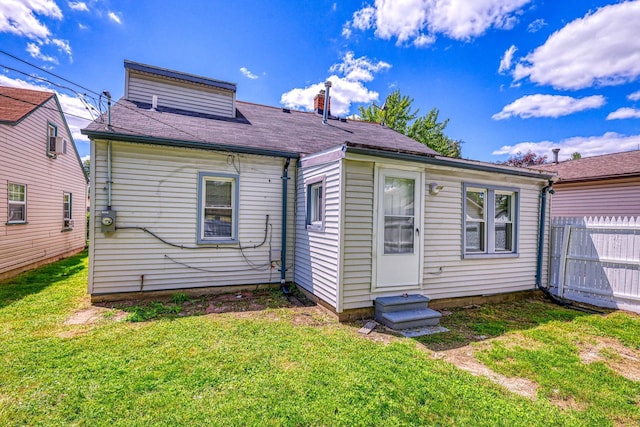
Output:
x,y
315,204
52,132
218,208
490,220
17,203
67,221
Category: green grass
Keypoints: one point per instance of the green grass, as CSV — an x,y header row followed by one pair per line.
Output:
x,y
279,366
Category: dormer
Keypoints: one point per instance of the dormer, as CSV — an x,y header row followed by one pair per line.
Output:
x,y
162,88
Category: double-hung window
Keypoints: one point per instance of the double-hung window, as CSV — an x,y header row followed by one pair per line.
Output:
x,y
52,132
490,220
315,203
17,197
67,214
217,208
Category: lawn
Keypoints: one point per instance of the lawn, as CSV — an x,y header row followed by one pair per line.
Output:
x,y
258,359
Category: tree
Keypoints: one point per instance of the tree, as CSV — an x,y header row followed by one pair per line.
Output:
x,y
86,165
525,160
576,156
396,114
429,132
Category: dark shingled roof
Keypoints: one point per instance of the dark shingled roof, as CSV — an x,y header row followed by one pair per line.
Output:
x,y
616,165
16,103
256,127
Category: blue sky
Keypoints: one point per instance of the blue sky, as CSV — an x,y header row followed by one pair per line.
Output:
x,y
511,75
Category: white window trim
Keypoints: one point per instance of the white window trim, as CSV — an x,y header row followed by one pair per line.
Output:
x,y
14,202
67,221
203,177
489,220
312,184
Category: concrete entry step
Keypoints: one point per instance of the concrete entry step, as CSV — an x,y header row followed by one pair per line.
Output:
x,y
407,319
400,303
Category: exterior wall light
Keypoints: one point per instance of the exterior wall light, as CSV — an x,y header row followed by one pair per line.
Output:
x,y
435,188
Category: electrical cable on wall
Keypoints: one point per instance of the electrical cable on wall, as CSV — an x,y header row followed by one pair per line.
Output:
x,y
214,246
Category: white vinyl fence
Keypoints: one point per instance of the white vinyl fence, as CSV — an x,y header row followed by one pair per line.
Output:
x,y
596,261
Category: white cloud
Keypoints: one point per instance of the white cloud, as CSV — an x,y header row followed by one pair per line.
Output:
x,y
424,40
345,90
114,17
363,18
63,45
248,73
19,17
601,49
610,142
343,93
78,5
409,20
505,62
76,114
548,106
346,31
624,113
635,96
358,69
82,26
536,25
35,52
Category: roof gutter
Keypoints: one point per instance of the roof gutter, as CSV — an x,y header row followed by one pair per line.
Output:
x,y
188,144
444,162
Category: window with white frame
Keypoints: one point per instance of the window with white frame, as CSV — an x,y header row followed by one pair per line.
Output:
x,y
490,220
17,197
218,208
67,214
315,204
52,132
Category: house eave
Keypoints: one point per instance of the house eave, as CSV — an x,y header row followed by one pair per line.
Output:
x,y
150,140
440,161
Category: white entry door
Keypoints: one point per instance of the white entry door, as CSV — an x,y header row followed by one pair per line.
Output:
x,y
398,230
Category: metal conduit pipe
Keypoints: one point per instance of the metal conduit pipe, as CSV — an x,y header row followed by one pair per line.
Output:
x,y
283,243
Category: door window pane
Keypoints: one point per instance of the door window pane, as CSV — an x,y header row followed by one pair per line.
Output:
x,y
399,211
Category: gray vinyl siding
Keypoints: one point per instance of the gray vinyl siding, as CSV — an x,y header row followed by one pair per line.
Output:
x,y
156,188
612,198
25,161
189,97
445,273
318,252
358,234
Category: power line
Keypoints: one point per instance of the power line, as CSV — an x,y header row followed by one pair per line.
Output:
x,y
48,72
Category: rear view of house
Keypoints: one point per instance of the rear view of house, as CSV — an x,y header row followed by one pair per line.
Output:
x,y
43,187
193,189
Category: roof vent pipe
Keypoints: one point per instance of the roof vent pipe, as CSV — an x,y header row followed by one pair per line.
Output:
x,y
154,102
325,109
555,155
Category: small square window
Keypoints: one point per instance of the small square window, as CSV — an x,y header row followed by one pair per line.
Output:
x,y
17,203
315,205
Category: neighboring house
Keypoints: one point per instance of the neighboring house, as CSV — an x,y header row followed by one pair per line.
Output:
x,y
607,185
192,188
43,187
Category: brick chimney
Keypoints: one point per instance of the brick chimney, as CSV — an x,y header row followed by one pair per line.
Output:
x,y
318,103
